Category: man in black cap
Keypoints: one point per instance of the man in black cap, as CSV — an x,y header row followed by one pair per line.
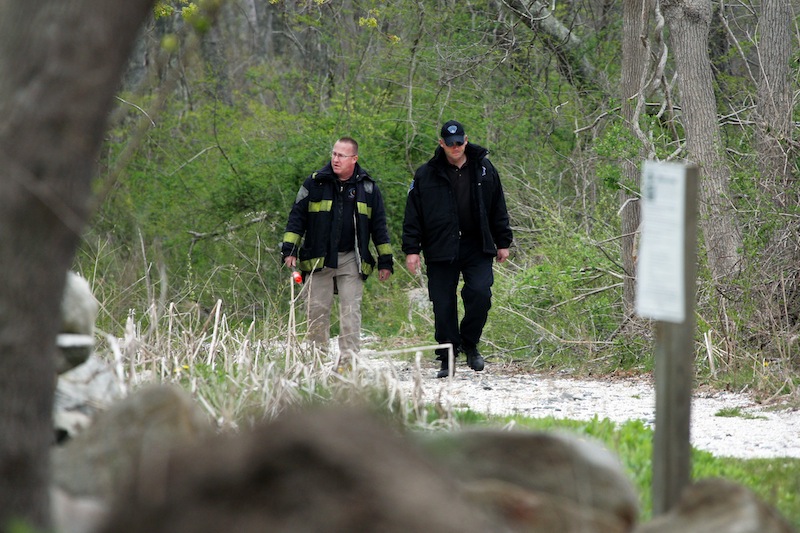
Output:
x,y
456,216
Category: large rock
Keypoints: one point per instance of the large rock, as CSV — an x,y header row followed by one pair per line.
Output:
x,y
718,506
78,315
132,434
333,470
81,394
86,385
76,514
515,509
541,470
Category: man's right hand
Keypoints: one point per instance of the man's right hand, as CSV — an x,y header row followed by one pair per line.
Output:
x,y
290,261
413,263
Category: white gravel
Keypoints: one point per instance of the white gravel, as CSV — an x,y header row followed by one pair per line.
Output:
x,y
756,432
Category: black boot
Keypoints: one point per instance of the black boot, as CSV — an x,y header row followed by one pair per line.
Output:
x,y
445,370
474,359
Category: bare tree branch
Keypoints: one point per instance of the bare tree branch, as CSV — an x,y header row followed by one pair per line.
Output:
x,y
561,41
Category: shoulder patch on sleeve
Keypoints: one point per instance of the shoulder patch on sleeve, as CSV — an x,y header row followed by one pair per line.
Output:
x,y
301,194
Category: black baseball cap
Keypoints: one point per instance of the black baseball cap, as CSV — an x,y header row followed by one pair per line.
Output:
x,y
452,131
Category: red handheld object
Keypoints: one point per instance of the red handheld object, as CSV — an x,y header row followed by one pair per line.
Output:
x,y
297,277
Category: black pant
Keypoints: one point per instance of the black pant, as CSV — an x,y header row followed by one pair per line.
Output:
x,y
443,278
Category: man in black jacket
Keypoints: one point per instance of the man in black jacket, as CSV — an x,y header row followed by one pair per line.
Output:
x,y
456,215
338,210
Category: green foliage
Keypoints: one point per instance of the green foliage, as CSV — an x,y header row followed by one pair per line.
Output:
x,y
616,144
198,15
163,9
560,305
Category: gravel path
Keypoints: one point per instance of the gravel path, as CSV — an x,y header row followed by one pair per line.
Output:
x,y
502,390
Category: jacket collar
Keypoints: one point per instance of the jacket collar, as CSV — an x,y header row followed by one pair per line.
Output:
x,y
326,173
474,153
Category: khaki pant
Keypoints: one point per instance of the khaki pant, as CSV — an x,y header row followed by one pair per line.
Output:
x,y
319,298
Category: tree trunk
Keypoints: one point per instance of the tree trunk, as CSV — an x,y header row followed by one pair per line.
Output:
x,y
773,109
689,22
781,286
60,64
635,51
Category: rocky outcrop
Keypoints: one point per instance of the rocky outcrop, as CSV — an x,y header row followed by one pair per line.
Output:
x,y
314,470
137,434
81,394
540,481
718,505
86,385
78,315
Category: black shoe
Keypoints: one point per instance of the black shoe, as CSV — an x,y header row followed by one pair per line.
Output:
x,y
445,371
474,359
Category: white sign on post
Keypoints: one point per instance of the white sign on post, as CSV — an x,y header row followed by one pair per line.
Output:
x,y
660,278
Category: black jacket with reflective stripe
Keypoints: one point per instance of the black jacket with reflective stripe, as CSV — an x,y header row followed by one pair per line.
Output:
x,y
431,217
317,210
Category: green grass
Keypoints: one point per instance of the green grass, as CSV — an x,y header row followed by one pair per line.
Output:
x,y
734,412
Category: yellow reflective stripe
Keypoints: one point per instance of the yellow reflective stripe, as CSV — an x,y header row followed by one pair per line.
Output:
x,y
292,238
385,249
314,263
364,209
320,207
366,268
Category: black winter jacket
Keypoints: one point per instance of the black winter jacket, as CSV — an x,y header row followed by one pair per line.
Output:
x,y
431,218
318,209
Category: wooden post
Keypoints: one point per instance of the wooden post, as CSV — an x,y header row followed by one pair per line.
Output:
x,y
671,303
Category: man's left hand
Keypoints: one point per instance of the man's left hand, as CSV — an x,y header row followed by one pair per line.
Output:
x,y
502,254
384,273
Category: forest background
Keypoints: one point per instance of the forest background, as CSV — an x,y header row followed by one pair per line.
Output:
x,y
226,108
